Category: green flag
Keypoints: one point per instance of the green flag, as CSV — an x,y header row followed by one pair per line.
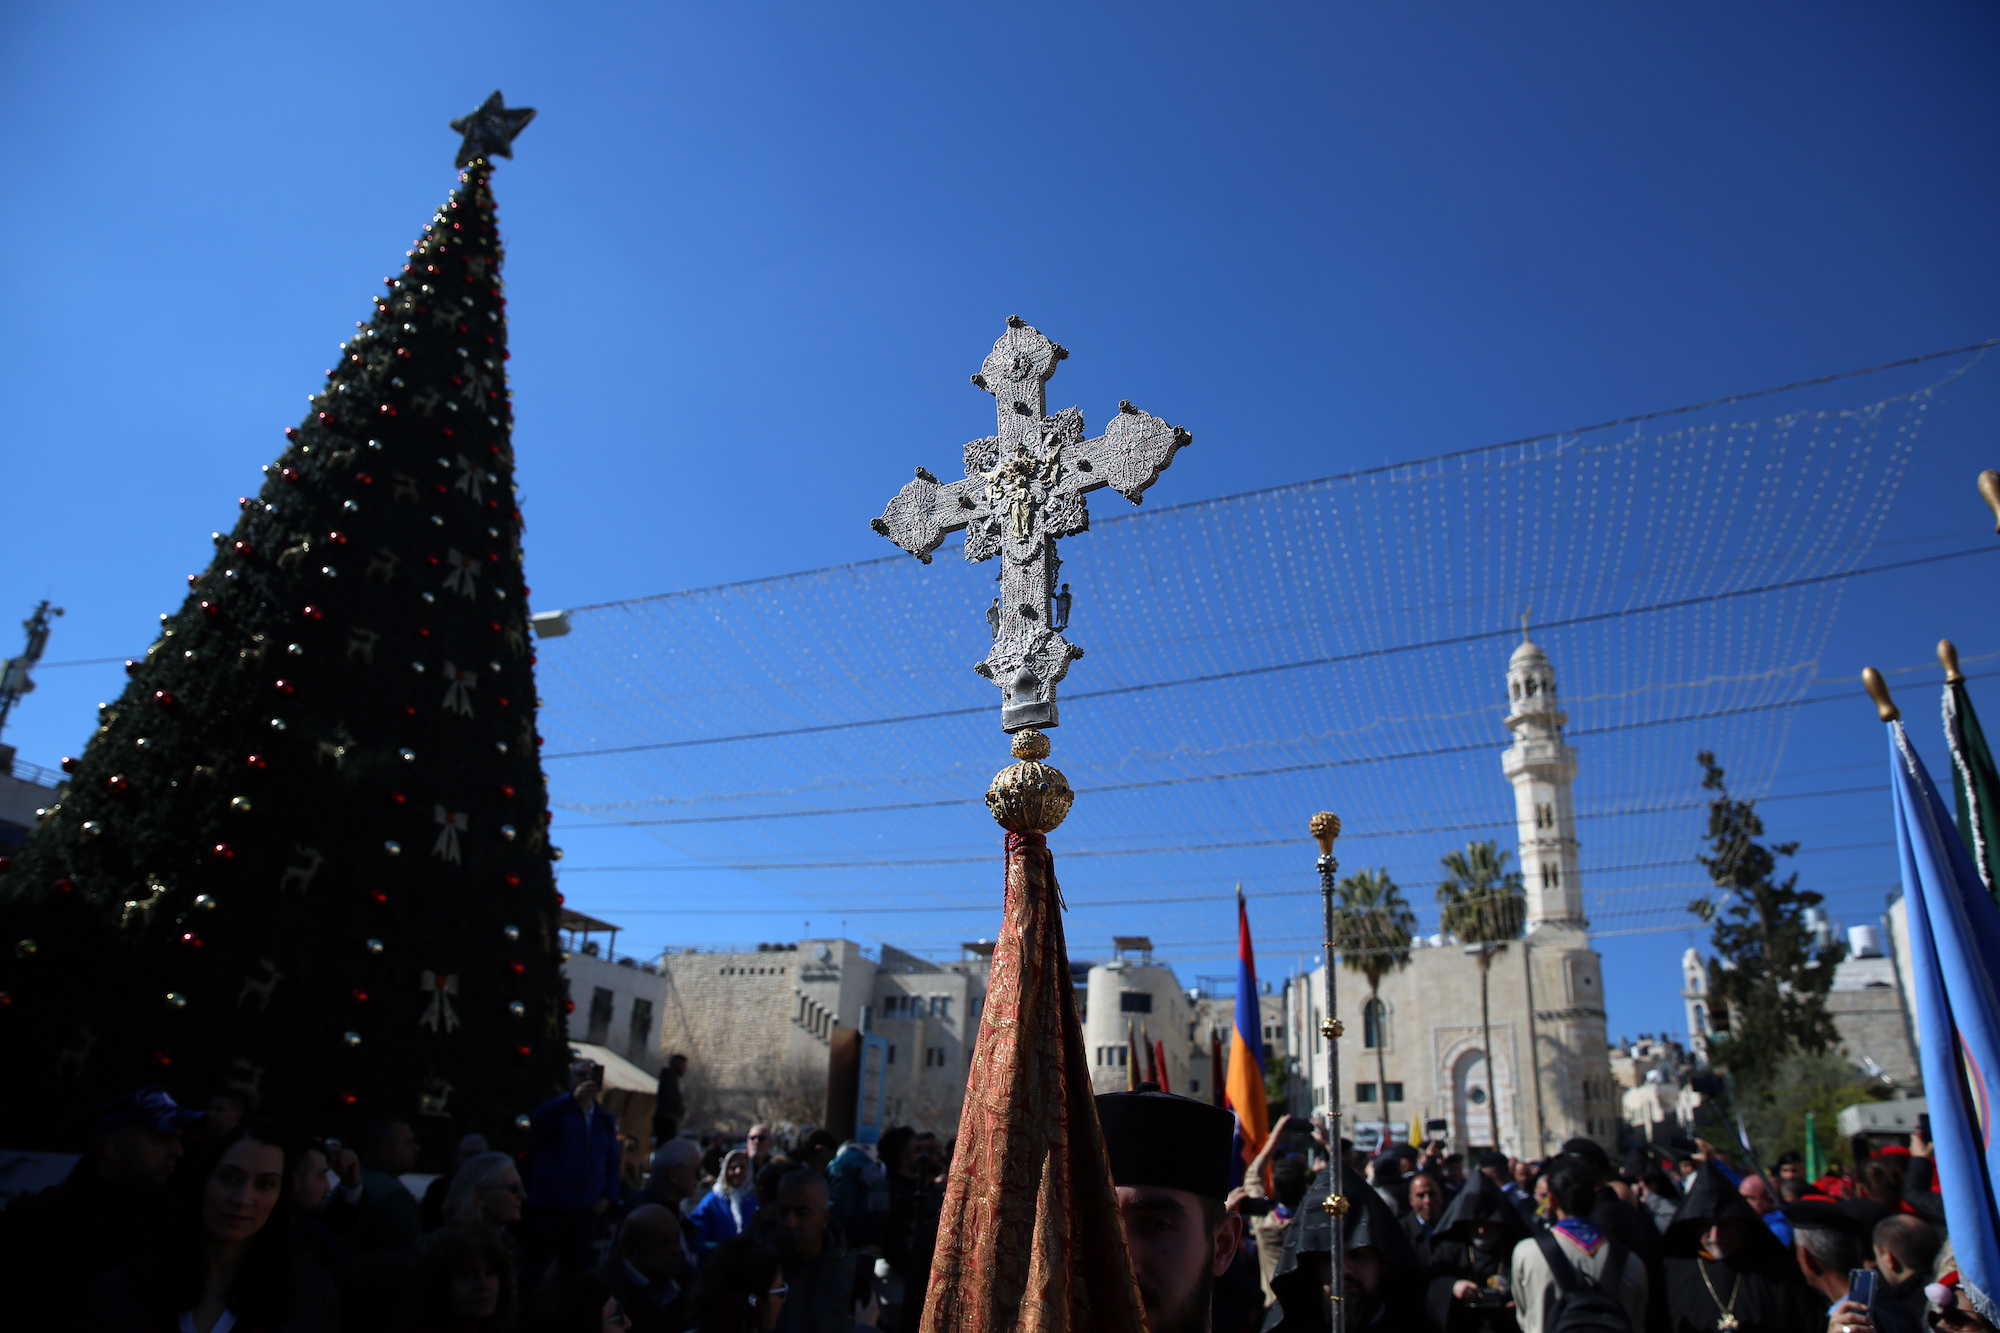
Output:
x,y
1974,780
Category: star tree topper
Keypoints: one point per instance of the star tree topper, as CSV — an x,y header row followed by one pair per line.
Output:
x,y
1023,489
490,131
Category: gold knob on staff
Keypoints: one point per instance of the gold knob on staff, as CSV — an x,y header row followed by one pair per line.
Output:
x,y
1331,1028
1989,487
1336,1204
1325,828
1948,658
1878,690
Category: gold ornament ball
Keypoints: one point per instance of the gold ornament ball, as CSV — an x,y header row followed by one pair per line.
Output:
x,y
91,828
240,804
25,949
350,1039
176,1000
512,933
522,1122
372,946
204,902
517,1009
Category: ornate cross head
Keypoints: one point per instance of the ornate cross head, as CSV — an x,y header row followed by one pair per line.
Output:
x,y
1023,489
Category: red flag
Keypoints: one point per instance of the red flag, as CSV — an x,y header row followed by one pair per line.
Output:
x,y
1160,1049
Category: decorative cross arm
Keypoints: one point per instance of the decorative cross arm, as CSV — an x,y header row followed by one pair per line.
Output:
x,y
1023,488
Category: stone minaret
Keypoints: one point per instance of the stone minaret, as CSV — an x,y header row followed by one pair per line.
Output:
x,y
1542,768
1571,1083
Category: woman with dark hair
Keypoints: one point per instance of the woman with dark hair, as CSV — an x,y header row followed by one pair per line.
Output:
x,y
463,1283
227,1263
742,1290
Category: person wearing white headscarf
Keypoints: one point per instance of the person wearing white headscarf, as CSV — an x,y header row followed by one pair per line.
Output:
x,y
729,1206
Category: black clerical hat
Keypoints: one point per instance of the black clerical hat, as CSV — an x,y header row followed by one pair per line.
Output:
x,y
1827,1215
1177,1143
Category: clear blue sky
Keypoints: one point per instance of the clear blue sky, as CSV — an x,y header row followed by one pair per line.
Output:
x,y
754,250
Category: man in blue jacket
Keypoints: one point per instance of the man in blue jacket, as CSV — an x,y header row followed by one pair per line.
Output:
x,y
572,1177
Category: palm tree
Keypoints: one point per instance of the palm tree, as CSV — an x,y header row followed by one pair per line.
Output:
x,y
1484,906
1372,926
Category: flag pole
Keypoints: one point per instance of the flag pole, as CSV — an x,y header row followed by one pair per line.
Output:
x,y
1325,828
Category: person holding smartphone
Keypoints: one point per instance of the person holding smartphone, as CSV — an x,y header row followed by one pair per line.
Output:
x,y
1832,1247
573,1181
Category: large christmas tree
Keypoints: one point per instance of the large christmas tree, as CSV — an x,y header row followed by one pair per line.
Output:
x,y
306,852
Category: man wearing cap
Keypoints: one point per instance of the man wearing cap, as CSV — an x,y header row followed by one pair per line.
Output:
x,y
1170,1162
1830,1241
56,1243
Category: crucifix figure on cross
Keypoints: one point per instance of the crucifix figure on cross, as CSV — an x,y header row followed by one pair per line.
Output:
x,y
1023,489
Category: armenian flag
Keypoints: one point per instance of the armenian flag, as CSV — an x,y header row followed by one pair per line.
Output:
x,y
1244,1091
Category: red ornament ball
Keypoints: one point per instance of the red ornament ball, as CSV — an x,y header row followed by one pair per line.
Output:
x,y
506,791
224,852
192,940
283,686
257,762
131,667
516,967
513,881
5,999
314,613
65,885
69,763
245,548
290,474
523,1051
5,863
358,995
569,1006
118,783
210,609
163,1058
349,1098
397,798
379,898
164,698
337,538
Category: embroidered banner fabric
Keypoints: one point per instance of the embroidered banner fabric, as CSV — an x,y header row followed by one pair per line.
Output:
x,y
1030,1239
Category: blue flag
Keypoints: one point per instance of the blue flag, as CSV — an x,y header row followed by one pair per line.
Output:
x,y
1954,957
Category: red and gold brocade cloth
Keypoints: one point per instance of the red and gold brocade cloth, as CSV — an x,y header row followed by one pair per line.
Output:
x,y
1030,1238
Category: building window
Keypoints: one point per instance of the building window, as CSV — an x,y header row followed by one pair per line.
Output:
x,y
1392,1092
1135,1002
600,1016
1194,1085
1551,875
940,1006
1373,1027
641,1036
1364,1092
892,1056
934,1057
1545,816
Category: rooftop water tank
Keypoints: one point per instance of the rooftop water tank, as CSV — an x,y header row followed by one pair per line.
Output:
x,y
1864,942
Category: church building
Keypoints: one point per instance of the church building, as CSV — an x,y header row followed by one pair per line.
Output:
x,y
1547,1077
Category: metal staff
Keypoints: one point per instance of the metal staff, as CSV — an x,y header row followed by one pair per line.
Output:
x,y
1325,828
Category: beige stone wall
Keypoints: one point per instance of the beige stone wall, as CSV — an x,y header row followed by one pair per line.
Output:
x,y
1432,1045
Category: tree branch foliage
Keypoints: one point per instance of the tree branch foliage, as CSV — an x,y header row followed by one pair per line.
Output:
x,y
1767,978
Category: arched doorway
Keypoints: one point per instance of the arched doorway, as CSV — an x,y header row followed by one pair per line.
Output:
x,y
1473,1090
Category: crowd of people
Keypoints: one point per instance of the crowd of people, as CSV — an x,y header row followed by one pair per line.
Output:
x,y
1681,1239
217,1222
213,1221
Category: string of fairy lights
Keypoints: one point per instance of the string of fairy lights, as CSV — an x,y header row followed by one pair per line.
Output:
x,y
1339,643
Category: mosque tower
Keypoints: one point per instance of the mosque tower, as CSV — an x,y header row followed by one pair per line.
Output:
x,y
1572,1067
1542,770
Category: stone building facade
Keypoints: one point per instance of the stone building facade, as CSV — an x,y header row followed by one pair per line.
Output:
x,y
1418,1054
757,1028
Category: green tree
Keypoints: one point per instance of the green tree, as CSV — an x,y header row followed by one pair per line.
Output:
x,y
1768,978
306,851
1372,926
1484,906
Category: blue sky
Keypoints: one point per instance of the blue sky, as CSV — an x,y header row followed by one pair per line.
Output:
x,y
754,250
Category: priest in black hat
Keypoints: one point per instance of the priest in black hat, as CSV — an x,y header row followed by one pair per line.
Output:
x,y
1471,1253
1726,1270
1170,1160
1384,1280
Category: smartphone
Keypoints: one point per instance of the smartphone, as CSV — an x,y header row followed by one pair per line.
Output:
x,y
1255,1207
1861,1287
1924,1126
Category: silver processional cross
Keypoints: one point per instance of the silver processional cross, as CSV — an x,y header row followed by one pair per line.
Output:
x,y
1024,488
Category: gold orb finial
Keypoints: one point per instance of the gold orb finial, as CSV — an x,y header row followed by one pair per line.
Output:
x,y
1030,744
1336,1204
1878,690
1030,796
1989,487
1948,658
1325,828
